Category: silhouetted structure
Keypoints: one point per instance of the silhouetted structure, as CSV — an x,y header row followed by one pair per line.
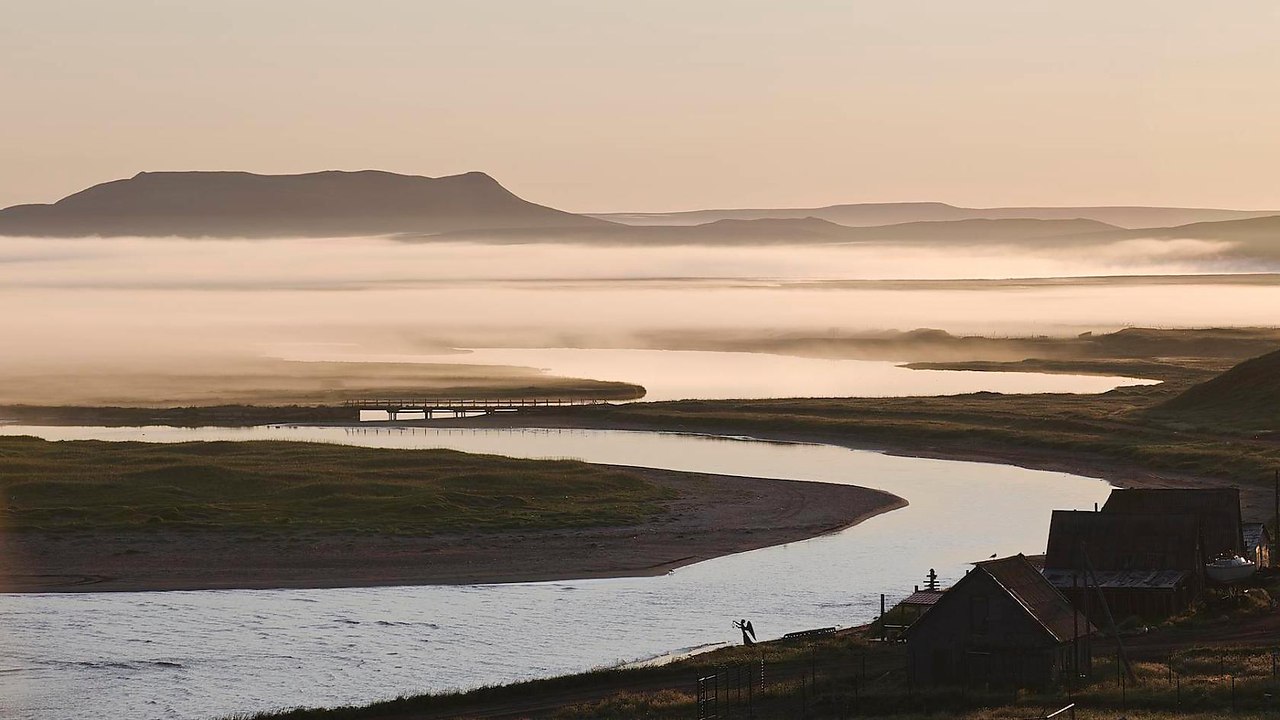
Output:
x,y
1218,510
1147,565
1002,624
1147,549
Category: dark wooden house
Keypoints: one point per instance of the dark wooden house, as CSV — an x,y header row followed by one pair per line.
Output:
x,y
1144,564
1003,623
1217,509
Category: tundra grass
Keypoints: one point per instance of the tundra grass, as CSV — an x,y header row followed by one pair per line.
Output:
x,y
845,676
110,486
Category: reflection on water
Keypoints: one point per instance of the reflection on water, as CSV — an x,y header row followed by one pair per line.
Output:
x,y
688,374
201,654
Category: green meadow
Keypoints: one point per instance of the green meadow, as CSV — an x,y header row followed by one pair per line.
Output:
x,y
107,486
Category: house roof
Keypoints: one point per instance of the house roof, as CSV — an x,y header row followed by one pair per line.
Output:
x,y
923,597
1217,508
1030,590
1123,541
1067,579
1038,596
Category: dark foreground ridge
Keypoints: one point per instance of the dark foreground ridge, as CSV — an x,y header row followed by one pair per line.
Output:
x,y
321,204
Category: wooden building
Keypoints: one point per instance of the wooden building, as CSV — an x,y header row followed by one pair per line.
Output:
x,y
1003,623
1257,544
1146,565
1217,509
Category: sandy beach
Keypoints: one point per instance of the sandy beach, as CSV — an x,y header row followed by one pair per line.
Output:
x,y
715,515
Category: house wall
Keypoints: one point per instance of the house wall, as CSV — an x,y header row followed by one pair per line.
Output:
x,y
1127,602
983,636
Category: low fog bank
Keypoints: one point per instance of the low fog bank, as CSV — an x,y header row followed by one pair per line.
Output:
x,y
145,307
362,263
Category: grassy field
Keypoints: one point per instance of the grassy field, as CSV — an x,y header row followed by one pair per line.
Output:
x,y
850,675
106,486
266,381
1101,429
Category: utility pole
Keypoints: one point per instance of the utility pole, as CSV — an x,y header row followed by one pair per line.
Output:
x,y
1275,532
1122,658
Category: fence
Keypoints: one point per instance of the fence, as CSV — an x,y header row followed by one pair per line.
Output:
x,y
876,682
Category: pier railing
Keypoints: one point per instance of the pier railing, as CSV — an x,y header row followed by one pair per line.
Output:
x,y
408,404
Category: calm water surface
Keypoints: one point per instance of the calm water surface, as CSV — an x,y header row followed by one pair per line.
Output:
x,y
704,375
208,654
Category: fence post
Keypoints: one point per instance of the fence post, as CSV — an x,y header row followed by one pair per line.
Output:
x,y
813,664
1233,693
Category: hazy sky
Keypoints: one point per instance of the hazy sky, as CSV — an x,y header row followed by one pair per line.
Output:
x,y
597,105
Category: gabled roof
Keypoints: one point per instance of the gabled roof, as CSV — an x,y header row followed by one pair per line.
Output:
x,y
1038,596
1124,541
1030,590
1217,508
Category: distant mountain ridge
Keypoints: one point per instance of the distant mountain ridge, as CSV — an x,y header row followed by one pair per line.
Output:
x,y
872,214
787,231
474,207
322,204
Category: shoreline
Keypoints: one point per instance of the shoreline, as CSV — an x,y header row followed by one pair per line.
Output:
x,y
1111,470
616,552
714,516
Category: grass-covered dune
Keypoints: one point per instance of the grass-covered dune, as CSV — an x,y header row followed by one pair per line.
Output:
x,y
105,486
1246,397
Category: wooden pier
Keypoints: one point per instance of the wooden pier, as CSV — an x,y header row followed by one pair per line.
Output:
x,y
464,407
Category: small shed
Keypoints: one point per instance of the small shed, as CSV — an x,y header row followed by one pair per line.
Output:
x,y
917,603
1257,544
1003,623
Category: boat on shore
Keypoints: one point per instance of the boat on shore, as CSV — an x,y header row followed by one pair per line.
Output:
x,y
1228,568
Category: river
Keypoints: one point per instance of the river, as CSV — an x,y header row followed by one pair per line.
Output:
x,y
214,653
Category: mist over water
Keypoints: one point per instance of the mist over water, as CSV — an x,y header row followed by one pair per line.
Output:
x,y
161,300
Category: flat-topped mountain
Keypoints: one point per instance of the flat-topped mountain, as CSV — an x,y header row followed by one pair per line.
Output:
x,y
321,204
869,214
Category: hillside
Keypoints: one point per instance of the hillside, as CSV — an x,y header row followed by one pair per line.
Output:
x,y
872,214
1255,237
322,204
1246,397
814,231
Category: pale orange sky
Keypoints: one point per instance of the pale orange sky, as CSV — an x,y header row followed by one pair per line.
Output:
x,y
661,104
